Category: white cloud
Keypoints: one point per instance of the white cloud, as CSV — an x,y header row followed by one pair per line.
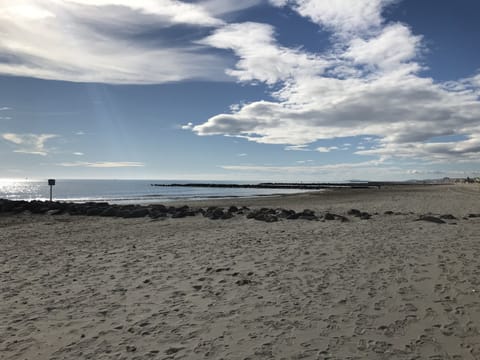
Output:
x,y
4,108
344,17
324,149
100,41
103,164
188,126
171,10
467,150
297,148
374,169
394,46
29,143
366,170
261,59
367,85
78,153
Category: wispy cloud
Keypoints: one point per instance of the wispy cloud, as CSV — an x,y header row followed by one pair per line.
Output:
x,y
5,108
29,143
367,84
373,169
107,40
103,164
297,148
188,126
78,153
242,155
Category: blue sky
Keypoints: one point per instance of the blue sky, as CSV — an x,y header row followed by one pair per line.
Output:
x,y
297,90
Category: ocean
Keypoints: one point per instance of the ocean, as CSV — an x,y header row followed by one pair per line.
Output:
x,y
123,191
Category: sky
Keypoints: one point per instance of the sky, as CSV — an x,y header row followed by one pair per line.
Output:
x,y
279,90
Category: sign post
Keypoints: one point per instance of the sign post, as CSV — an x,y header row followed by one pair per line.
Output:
x,y
51,182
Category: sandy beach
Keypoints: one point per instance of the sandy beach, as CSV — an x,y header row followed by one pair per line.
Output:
x,y
388,287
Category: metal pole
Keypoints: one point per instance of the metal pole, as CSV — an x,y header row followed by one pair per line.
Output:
x,y
51,192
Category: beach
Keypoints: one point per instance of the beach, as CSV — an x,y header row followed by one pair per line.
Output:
x,y
391,286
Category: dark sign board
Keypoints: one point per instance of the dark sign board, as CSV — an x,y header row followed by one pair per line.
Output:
x,y
51,182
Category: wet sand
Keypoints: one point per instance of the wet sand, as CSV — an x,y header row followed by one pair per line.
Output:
x,y
390,287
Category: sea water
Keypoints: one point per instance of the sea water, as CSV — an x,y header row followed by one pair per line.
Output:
x,y
123,191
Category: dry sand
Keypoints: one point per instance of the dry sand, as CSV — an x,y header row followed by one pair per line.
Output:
x,y
390,287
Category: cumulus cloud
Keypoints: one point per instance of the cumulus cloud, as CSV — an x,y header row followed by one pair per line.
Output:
x,y
344,17
261,59
368,84
29,143
103,164
105,41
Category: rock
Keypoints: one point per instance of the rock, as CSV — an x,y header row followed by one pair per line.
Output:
x,y
388,212
307,217
154,214
183,212
263,214
136,213
293,215
232,209
109,211
354,212
54,212
448,217
283,213
360,214
365,216
431,219
473,215
341,218
329,216
227,215
307,214
214,213
158,208
197,287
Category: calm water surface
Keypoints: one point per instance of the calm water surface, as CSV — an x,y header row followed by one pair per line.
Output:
x,y
122,191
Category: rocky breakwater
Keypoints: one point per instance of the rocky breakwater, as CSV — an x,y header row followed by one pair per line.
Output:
x,y
158,211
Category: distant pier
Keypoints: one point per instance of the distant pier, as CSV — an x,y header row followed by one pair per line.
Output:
x,y
301,186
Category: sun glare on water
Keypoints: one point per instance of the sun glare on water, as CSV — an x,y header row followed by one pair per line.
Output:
x,y
14,188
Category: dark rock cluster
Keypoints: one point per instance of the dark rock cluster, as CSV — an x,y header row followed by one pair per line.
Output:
x,y
214,213
96,209
360,214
